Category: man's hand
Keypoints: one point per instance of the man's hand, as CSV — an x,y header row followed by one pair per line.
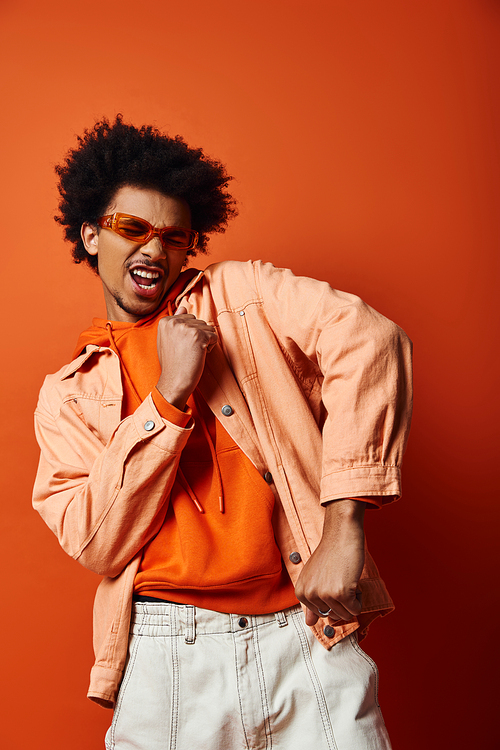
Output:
x,y
183,342
329,579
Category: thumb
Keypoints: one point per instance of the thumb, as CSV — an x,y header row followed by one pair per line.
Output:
x,y
181,310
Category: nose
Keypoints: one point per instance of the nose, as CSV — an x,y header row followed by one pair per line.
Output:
x,y
154,249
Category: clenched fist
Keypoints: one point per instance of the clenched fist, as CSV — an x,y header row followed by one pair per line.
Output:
x,y
183,342
329,580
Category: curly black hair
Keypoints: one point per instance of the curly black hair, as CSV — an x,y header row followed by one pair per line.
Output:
x,y
110,156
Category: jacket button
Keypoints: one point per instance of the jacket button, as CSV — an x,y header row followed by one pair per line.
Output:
x,y
149,425
295,557
243,622
227,410
329,631
268,477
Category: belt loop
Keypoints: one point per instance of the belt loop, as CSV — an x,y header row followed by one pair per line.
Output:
x,y
190,624
281,619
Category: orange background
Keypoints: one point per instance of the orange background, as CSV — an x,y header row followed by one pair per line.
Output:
x,y
364,137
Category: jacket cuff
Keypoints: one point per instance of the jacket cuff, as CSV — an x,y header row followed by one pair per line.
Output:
x,y
381,483
150,425
170,412
373,502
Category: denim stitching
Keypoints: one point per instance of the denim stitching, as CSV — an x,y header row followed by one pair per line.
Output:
x,y
320,698
201,635
238,690
263,692
281,619
190,624
174,720
373,667
123,686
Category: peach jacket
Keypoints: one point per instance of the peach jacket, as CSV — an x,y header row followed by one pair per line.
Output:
x,y
319,386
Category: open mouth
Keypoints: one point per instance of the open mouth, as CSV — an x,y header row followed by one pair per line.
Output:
x,y
145,280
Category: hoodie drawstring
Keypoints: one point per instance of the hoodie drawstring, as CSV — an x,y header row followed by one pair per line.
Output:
x,y
187,488
180,474
215,463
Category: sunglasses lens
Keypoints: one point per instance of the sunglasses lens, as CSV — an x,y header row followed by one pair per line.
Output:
x,y
176,237
138,230
132,228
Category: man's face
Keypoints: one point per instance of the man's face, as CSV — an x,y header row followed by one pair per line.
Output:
x,y
130,296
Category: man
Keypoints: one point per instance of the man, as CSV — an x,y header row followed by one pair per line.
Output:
x,y
211,451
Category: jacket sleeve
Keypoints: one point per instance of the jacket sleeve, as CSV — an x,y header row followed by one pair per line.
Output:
x,y
363,362
104,502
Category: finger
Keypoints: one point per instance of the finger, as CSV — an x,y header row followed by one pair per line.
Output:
x,y
353,603
326,611
326,603
316,606
338,610
181,310
311,617
345,608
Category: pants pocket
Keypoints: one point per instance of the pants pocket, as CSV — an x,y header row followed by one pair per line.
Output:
x,y
370,664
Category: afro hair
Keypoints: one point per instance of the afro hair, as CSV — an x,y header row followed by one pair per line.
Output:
x,y
112,155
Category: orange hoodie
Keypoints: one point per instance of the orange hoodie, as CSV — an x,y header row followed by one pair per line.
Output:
x,y
216,547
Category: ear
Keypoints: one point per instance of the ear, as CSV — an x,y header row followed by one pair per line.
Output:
x,y
90,238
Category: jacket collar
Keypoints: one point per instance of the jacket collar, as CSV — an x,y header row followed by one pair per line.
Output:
x,y
75,365
188,288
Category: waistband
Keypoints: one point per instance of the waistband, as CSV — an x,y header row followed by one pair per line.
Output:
x,y
166,619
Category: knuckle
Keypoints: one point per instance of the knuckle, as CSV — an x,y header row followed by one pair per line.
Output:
x,y
339,600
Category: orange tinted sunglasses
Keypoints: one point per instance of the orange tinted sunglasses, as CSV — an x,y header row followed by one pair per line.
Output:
x,y
139,230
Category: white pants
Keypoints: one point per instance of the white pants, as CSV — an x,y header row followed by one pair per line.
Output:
x,y
202,680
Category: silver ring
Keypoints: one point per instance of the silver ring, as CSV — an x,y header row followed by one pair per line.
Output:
x,y
324,613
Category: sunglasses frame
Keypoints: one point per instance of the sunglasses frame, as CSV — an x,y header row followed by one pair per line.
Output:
x,y
111,222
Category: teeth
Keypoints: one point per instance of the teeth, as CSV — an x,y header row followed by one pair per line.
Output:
x,y
146,274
